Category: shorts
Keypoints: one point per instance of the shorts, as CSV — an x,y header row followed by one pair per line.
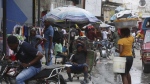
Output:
x,y
78,68
129,62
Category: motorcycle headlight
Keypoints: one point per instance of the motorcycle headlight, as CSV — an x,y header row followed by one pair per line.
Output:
x,y
146,54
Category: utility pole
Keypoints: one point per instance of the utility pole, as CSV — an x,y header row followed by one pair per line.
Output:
x,y
4,26
33,14
38,12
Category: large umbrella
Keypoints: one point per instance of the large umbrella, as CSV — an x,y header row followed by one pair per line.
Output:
x,y
73,14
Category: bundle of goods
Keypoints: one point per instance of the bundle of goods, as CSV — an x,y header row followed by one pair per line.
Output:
x,y
126,19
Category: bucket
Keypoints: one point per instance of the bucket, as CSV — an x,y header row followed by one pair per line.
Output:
x,y
119,64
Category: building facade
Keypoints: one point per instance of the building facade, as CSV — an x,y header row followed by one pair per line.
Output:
x,y
108,8
48,5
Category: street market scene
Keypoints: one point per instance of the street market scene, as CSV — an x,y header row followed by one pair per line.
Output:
x,y
74,42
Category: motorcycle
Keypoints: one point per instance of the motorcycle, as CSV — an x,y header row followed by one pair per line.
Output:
x,y
105,49
48,75
138,43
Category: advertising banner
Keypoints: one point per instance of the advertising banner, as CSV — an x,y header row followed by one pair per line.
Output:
x,y
94,6
18,12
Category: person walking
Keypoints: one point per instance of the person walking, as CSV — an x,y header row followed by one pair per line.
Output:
x,y
48,45
125,50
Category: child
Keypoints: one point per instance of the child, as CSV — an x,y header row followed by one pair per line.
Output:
x,y
58,50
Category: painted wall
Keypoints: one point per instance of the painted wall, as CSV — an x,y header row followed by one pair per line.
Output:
x,y
18,12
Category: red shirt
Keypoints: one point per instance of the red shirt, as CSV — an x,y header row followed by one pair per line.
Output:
x,y
91,35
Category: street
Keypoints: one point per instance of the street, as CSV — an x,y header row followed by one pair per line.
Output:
x,y
103,72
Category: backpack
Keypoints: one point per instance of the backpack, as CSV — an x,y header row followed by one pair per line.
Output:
x,y
56,36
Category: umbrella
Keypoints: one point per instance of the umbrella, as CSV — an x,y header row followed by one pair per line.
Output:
x,y
73,14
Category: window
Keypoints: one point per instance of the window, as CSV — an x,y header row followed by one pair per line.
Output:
x,y
148,24
147,37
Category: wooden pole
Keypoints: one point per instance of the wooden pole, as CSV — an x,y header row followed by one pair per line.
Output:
x,y
4,26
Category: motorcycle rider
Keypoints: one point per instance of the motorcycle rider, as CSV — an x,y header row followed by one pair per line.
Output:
x,y
28,56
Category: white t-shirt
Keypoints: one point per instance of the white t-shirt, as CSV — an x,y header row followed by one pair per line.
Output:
x,y
105,33
64,31
133,34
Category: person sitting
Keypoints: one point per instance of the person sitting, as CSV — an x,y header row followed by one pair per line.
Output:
x,y
78,62
58,50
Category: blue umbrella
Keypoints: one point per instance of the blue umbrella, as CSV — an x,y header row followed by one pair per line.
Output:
x,y
73,14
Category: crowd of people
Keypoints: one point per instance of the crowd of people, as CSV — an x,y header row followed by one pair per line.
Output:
x,y
41,45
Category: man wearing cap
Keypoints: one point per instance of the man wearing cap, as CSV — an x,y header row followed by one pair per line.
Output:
x,y
78,62
48,35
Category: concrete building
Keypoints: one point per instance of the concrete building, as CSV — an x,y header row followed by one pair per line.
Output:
x,y
108,8
48,5
141,6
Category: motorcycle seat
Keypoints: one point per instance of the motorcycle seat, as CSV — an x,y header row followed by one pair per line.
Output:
x,y
43,74
46,71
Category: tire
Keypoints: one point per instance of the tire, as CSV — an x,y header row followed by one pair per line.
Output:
x,y
137,46
145,68
54,80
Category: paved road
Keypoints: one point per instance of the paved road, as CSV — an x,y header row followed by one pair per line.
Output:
x,y
103,74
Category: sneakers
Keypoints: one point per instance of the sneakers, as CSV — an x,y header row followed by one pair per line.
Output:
x,y
68,80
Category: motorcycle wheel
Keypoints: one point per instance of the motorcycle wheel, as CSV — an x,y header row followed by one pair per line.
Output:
x,y
137,46
54,80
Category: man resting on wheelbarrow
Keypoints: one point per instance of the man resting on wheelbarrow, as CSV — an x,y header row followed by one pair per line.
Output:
x,y
78,62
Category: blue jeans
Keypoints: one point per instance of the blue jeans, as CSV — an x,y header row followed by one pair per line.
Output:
x,y
27,74
46,57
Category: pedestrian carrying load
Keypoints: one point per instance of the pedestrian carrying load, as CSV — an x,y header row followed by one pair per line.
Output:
x,y
126,19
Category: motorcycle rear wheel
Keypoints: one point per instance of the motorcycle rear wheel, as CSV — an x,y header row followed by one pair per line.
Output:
x,y
54,80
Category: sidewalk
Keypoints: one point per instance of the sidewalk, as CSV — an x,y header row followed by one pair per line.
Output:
x,y
64,74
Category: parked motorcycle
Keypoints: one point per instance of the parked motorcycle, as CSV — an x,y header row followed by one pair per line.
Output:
x,y
105,49
48,75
